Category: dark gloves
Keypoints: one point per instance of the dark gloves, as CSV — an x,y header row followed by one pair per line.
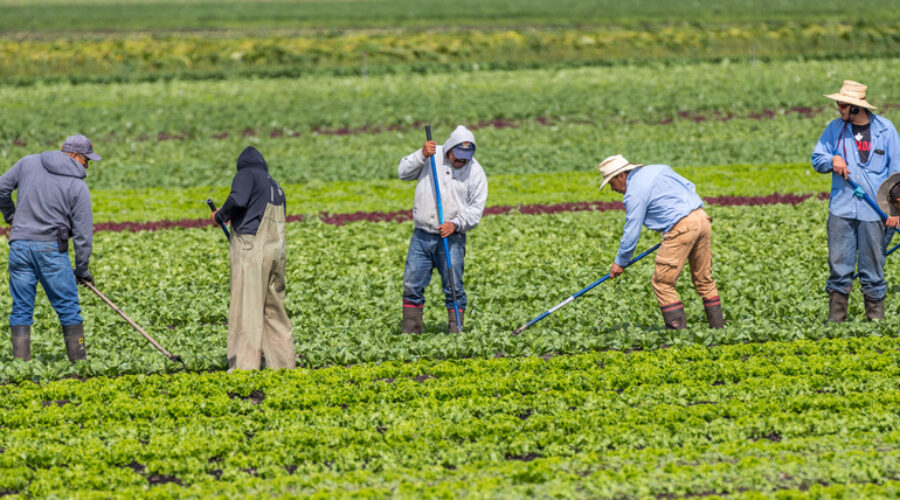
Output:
x,y
84,277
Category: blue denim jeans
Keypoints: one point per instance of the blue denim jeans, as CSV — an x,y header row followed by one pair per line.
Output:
x,y
853,242
33,261
426,252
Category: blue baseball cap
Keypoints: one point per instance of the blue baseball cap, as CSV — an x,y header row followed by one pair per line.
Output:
x,y
464,150
80,144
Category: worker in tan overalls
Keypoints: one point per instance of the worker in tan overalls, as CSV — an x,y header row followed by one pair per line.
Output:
x,y
258,325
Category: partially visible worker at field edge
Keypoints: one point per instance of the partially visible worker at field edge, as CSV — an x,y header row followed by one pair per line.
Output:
x,y
53,204
258,324
863,147
657,197
464,190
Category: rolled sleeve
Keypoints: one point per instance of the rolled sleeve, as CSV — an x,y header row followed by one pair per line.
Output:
x,y
635,210
825,151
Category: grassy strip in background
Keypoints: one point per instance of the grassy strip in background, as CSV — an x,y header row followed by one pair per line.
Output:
x,y
127,15
141,57
343,197
184,134
609,96
531,148
793,419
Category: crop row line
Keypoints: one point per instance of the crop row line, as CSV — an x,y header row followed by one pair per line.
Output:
x,y
406,215
696,116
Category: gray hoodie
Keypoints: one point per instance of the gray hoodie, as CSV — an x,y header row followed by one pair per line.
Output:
x,y
52,194
463,190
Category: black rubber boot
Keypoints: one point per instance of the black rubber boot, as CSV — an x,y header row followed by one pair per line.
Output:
x,y
74,337
874,309
837,308
21,341
673,316
451,320
714,316
412,319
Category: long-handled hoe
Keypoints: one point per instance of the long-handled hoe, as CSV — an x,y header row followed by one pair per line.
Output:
x,y
440,211
212,206
140,330
583,291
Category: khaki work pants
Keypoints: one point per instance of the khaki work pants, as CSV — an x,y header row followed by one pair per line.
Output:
x,y
257,322
688,240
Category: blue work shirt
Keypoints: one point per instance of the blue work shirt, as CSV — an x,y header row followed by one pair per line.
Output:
x,y
881,164
656,197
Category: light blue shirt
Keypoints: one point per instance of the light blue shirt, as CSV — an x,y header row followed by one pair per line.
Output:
x,y
882,162
656,197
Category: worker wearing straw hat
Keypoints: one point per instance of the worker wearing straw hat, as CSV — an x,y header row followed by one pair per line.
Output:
x,y
863,147
657,197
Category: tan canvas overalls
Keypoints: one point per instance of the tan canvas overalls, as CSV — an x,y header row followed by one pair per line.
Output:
x,y
257,322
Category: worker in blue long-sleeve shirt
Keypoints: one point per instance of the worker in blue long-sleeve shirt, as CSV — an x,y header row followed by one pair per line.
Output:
x,y
657,197
864,147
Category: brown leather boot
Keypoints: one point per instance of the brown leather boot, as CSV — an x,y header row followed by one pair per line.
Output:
x,y
21,341
673,316
451,320
412,319
714,316
74,337
837,307
874,309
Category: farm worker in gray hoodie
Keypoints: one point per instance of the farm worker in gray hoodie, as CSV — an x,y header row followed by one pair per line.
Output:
x,y
258,324
53,205
463,187
863,147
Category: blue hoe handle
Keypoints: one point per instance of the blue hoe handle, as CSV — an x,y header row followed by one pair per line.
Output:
x,y
440,209
553,309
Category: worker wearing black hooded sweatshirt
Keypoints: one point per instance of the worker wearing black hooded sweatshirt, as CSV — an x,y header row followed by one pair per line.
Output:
x,y
258,324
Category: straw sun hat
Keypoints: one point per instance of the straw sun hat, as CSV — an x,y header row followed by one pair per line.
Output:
x,y
852,93
613,166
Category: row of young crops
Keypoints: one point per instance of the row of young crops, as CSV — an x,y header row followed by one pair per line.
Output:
x,y
345,283
143,56
785,419
107,41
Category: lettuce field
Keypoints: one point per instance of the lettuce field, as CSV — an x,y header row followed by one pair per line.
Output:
x,y
596,401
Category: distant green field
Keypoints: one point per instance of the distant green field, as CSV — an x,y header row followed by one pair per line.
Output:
x,y
116,15
188,134
107,41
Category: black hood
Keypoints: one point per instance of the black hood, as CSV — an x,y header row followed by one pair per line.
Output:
x,y
250,157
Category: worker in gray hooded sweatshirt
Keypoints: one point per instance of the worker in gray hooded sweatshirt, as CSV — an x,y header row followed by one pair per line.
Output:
x,y
53,204
463,187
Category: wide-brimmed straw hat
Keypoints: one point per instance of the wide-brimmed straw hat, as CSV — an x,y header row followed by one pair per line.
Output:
x,y
852,93
884,198
613,166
